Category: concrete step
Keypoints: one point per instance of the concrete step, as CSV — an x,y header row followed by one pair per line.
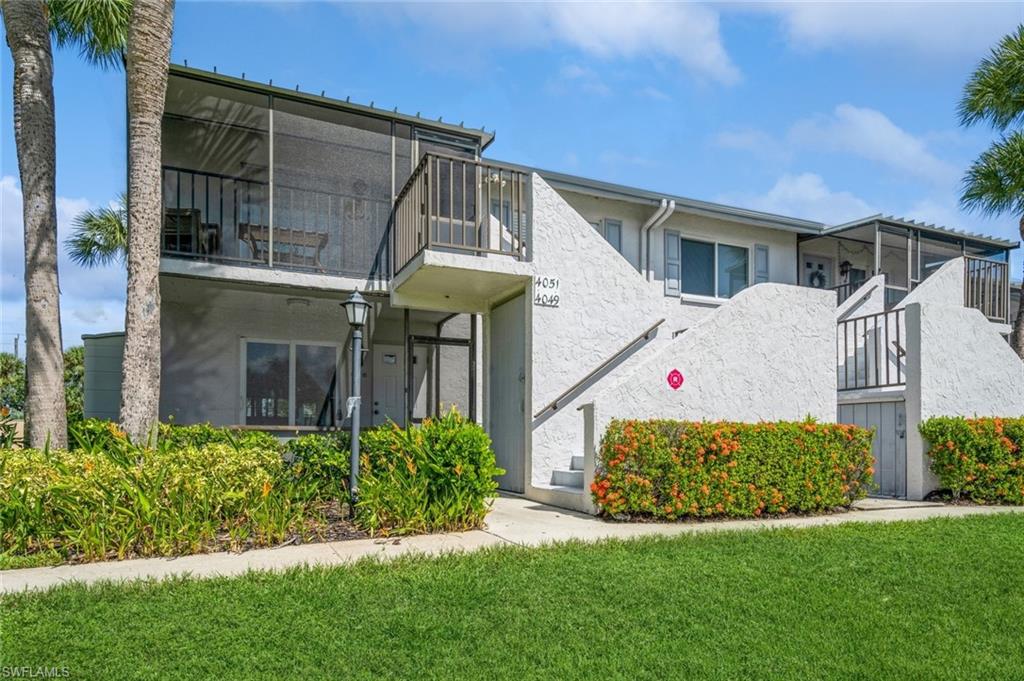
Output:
x,y
577,463
567,478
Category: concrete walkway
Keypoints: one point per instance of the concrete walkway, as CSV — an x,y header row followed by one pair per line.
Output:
x,y
514,521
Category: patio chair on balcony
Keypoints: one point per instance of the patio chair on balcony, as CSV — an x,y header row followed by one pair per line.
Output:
x,y
185,232
181,229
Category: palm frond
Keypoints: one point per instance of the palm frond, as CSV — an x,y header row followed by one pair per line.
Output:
x,y
100,236
994,183
99,28
995,91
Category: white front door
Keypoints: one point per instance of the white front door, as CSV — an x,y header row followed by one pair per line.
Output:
x,y
389,379
507,399
816,272
388,384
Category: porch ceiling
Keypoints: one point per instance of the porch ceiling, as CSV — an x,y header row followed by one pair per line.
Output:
x,y
454,282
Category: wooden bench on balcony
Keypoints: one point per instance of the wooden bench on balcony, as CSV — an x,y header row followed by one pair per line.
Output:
x,y
291,246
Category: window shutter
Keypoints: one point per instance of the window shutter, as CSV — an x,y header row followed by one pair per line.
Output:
x,y
673,269
760,264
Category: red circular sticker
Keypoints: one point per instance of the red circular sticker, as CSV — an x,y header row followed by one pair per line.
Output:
x,y
675,379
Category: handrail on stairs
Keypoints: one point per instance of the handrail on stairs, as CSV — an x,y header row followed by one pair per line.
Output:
x,y
553,405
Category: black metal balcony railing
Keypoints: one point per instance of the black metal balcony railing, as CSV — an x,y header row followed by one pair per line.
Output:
x,y
220,217
870,351
460,205
844,291
987,287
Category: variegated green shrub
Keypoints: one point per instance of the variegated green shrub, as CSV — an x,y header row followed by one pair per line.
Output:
x,y
438,476
110,498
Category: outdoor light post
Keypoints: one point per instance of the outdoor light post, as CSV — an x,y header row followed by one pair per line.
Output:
x,y
356,309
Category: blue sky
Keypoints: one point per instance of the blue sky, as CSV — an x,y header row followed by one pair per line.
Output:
x,y
822,111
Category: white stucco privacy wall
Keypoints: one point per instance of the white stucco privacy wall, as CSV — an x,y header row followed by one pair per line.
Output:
x,y
868,299
603,304
745,362
958,364
944,287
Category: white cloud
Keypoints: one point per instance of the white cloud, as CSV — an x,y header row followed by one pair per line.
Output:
x,y
687,34
804,196
927,29
870,134
937,213
92,300
684,32
573,77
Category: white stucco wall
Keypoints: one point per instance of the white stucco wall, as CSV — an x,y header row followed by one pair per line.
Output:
x,y
605,303
944,287
632,216
967,367
958,364
868,299
745,362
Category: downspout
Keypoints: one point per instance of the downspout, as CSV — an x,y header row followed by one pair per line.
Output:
x,y
660,216
641,233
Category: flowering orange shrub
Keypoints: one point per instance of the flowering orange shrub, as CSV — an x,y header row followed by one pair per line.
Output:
x,y
979,459
674,469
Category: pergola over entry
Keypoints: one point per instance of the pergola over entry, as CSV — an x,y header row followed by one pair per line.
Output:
x,y
905,251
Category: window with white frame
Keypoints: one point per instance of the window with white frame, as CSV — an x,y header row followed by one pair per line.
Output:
x,y
708,268
288,383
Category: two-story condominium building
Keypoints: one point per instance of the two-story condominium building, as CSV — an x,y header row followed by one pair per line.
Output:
x,y
540,304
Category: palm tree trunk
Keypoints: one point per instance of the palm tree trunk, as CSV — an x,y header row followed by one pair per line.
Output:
x,y
28,36
1017,337
149,50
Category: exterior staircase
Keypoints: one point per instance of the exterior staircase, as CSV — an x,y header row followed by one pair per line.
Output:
x,y
570,479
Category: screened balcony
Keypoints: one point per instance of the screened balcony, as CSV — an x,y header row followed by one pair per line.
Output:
x,y
259,177
907,253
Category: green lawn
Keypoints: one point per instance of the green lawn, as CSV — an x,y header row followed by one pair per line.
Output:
x,y
935,599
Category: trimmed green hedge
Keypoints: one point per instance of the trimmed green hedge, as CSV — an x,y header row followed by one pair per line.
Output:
x,y
677,469
978,459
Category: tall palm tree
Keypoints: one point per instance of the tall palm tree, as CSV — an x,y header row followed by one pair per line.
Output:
x,y
28,36
149,52
100,236
98,27
994,184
